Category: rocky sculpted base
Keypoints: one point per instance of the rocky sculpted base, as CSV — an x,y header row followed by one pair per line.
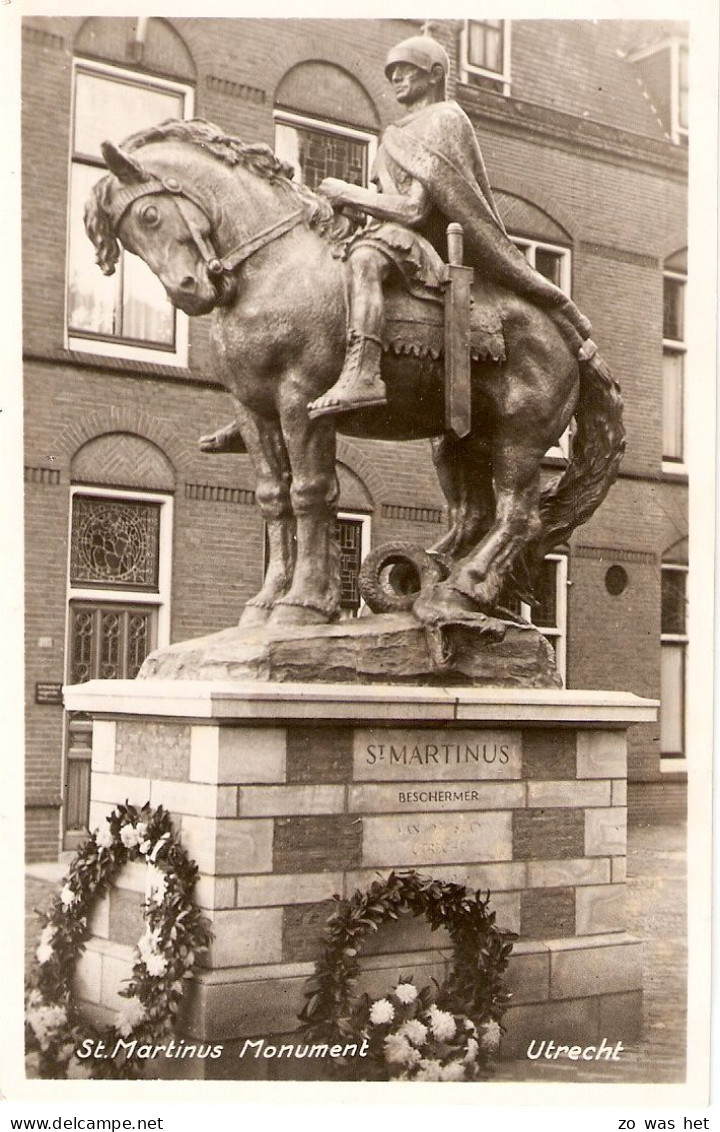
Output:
x,y
386,648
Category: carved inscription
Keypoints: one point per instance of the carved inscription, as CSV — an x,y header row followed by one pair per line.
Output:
x,y
426,839
405,755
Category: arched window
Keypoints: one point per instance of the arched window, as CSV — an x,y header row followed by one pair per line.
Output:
x,y
126,314
547,247
325,124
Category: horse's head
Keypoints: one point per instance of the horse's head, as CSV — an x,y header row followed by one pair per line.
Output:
x,y
154,217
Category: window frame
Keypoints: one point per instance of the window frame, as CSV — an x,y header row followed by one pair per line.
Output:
x,y
677,347
673,762
365,520
559,632
561,450
161,597
323,126
159,600
468,69
98,344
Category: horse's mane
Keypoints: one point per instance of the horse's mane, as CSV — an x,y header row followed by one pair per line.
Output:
x,y
256,158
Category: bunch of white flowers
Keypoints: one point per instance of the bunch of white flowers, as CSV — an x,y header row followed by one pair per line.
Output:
x,y
45,1021
130,836
104,838
417,1041
131,1015
152,957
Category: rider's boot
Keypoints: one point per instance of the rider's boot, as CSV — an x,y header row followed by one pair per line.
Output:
x,y
359,385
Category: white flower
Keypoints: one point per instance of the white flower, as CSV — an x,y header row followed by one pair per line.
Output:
x,y
415,1030
490,1039
160,889
130,1016
148,943
442,1024
145,847
44,951
382,1011
429,1070
471,1050
129,836
398,1051
45,1021
67,896
142,828
156,964
104,838
405,992
453,1071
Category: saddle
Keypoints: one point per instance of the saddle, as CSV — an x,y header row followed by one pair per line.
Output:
x,y
448,321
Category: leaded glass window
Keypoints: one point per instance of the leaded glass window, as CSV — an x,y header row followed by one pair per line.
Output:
x,y
348,534
115,543
108,642
315,153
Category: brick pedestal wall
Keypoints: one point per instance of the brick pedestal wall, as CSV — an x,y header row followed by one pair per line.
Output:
x,y
287,796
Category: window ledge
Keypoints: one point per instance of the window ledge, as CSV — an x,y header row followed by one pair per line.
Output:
x,y
675,471
674,766
118,365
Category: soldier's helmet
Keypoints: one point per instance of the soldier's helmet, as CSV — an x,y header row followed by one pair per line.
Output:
x,y
422,51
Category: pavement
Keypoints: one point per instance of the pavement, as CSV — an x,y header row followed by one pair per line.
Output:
x,y
656,913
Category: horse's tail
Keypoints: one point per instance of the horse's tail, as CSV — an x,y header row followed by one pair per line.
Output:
x,y
598,447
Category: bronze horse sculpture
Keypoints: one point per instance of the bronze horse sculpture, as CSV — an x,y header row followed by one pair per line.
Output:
x,y
226,229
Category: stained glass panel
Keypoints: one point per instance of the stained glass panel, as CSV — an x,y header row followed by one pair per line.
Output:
x,y
108,642
115,543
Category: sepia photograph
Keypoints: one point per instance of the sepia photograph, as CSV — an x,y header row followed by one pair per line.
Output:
x,y
368,696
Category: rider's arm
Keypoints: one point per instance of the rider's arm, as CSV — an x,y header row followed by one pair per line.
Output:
x,y
409,208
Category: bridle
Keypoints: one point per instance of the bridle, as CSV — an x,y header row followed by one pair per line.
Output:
x,y
215,264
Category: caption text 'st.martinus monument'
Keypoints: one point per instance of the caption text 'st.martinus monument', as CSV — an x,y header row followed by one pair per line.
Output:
x,y
301,755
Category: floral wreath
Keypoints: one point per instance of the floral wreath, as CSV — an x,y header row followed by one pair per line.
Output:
x,y
175,931
445,1032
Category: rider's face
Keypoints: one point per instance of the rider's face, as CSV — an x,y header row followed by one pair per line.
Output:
x,y
409,83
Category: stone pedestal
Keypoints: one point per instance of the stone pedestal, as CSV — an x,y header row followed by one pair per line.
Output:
x,y
285,794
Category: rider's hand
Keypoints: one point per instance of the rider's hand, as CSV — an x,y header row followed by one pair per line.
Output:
x,y
333,189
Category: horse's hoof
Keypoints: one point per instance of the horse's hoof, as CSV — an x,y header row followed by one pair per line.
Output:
x,y
289,614
254,615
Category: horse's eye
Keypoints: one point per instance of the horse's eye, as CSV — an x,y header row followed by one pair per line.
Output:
x,y
150,216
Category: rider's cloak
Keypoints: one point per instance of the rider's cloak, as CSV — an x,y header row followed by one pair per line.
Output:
x,y
438,147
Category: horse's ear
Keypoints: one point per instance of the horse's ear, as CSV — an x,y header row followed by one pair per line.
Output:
x,y
126,168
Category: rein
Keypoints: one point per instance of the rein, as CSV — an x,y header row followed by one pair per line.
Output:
x,y
216,265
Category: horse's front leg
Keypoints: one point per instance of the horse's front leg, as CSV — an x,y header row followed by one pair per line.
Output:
x,y
264,442
314,597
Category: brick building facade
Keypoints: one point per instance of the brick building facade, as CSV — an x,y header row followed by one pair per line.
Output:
x,y
583,129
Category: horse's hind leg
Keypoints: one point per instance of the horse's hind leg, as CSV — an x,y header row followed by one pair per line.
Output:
x,y
517,520
464,470
265,444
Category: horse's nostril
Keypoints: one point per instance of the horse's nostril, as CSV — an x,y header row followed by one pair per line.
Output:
x,y
188,284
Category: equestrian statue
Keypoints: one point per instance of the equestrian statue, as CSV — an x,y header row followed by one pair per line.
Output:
x,y
336,310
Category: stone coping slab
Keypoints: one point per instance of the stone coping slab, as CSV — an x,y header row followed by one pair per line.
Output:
x,y
252,700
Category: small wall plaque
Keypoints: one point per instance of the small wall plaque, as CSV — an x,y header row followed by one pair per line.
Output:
x,y
46,693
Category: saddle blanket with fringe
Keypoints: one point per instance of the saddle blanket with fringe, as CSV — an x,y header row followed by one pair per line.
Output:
x,y
417,327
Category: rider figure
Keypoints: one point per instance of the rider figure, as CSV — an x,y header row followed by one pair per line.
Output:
x,y
429,171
